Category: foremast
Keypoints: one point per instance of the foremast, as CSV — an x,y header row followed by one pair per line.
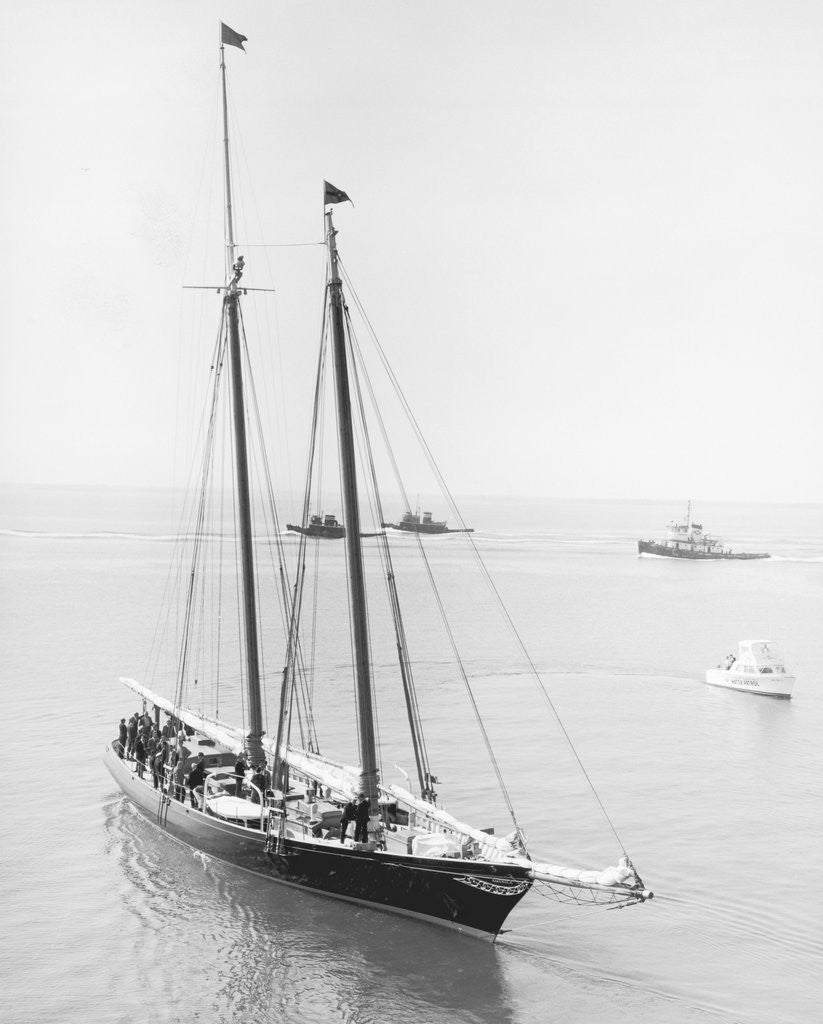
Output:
x,y
231,301
369,780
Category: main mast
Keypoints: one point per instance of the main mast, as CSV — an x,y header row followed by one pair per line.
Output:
x,y
354,547
234,271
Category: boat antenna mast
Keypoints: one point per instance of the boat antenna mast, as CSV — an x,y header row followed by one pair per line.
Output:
x,y
231,299
354,548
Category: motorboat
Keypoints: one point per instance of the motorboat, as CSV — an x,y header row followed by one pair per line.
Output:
x,y
758,668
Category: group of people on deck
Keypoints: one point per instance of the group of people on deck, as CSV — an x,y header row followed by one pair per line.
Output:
x,y
359,814
164,752
260,779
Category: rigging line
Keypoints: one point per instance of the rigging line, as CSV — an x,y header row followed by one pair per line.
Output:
x,y
414,711
471,541
216,661
349,608
407,409
198,539
265,474
542,688
238,600
294,668
278,245
366,458
312,459
384,550
470,692
172,586
279,570
435,590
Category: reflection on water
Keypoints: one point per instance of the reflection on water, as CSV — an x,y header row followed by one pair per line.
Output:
x,y
263,951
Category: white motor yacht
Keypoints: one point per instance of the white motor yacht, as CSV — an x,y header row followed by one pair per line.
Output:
x,y
758,668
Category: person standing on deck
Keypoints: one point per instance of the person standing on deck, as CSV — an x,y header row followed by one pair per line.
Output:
x,y
157,763
240,769
349,814
124,735
140,755
131,735
259,780
180,780
361,820
197,777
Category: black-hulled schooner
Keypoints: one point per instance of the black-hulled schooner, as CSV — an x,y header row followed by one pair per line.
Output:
x,y
269,801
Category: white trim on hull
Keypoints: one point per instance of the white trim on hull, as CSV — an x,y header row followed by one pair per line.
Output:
x,y
761,684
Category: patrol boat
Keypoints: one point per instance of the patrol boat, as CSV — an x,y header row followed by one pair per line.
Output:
x,y
758,668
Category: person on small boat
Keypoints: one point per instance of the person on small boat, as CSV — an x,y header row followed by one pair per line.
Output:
x,y
140,755
124,735
361,819
349,814
730,660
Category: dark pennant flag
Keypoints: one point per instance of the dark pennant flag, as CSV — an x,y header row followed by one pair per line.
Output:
x,y
334,195
228,35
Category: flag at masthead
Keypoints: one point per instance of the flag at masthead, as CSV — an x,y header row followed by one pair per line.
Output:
x,y
334,195
228,35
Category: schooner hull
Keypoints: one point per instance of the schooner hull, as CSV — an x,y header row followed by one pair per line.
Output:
x,y
474,897
649,547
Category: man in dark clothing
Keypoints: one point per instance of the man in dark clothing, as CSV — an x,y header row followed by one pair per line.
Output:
x,y
197,776
157,763
131,734
240,769
361,820
259,780
349,814
140,755
121,749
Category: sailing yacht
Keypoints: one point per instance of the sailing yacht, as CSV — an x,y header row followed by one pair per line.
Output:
x,y
273,803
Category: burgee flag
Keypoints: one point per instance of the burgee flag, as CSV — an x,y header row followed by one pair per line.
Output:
x,y
228,35
334,195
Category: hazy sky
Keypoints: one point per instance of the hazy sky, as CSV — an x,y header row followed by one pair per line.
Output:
x,y
590,234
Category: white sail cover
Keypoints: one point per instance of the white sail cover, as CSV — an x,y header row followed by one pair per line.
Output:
x,y
344,780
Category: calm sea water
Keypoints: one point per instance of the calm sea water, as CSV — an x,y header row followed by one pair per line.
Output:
x,y
715,794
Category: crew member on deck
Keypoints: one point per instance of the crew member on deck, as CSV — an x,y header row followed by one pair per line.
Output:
x,y
258,779
197,776
131,734
361,819
349,814
240,770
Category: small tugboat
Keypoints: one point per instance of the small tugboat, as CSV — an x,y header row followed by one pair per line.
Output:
x,y
412,522
758,668
687,540
323,526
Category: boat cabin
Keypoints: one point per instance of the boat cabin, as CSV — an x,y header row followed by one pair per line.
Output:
x,y
759,657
